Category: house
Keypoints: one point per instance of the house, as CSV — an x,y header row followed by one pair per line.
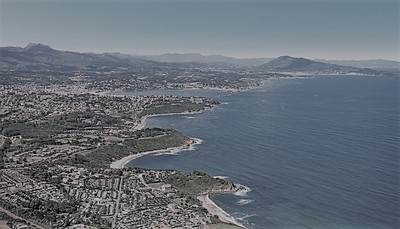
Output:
x,y
166,188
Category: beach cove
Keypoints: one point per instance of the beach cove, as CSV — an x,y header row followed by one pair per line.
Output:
x,y
207,203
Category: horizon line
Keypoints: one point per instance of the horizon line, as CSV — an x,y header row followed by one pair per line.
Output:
x,y
201,53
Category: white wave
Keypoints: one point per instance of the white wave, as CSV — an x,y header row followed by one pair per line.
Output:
x,y
244,201
221,177
190,117
170,152
197,141
245,217
243,190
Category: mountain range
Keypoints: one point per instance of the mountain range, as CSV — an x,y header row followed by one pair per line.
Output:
x,y
207,59
295,65
42,57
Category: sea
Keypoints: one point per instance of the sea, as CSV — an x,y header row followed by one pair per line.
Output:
x,y
318,152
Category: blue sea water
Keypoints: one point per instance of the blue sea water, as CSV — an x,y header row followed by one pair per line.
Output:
x,y
317,152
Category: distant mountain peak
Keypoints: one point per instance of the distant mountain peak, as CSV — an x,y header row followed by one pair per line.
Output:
x,y
286,57
290,58
302,65
37,47
288,63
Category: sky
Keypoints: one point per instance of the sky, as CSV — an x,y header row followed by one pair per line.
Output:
x,y
326,29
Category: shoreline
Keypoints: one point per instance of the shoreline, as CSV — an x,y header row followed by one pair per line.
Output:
x,y
204,198
214,209
142,122
120,164
120,92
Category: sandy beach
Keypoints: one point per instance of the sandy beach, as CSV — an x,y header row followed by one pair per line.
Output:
x,y
173,150
120,164
214,209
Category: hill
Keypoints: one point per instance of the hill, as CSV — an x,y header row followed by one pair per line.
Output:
x,y
295,65
376,64
43,57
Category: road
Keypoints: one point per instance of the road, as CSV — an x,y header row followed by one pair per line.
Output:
x,y
17,217
2,140
114,223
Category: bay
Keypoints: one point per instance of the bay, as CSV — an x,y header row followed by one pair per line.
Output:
x,y
318,152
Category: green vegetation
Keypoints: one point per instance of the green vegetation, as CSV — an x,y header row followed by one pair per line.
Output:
x,y
197,183
144,140
55,125
45,212
172,108
170,138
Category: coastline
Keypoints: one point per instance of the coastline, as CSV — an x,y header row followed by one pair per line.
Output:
x,y
204,198
142,123
120,164
214,209
120,92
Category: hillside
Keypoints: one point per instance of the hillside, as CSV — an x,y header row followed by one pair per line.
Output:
x,y
43,57
306,66
377,64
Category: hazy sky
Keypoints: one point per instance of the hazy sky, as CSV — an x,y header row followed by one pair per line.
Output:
x,y
352,29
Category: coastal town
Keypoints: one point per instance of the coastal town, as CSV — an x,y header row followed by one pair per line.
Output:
x,y
61,150
68,196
